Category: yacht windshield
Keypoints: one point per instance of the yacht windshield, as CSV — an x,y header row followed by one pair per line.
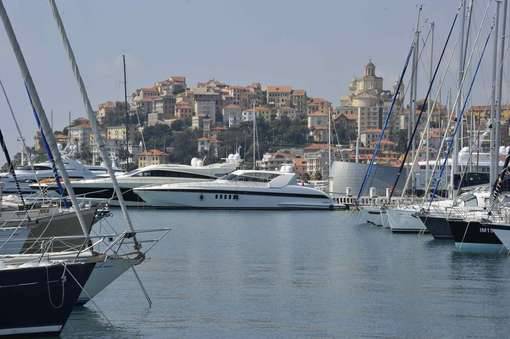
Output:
x,y
252,177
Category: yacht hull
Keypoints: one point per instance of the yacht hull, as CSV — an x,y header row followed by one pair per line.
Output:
x,y
233,200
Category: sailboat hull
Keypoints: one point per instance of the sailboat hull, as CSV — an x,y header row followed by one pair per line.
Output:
x,y
38,300
438,226
104,274
475,237
403,220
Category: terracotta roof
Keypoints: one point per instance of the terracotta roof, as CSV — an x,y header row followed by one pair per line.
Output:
x,y
232,106
154,152
183,104
279,89
316,147
318,113
319,100
178,78
298,92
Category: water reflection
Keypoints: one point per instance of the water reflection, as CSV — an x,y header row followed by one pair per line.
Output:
x,y
291,274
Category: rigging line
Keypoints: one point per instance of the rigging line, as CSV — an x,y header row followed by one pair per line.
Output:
x,y
14,118
456,102
387,119
459,120
410,143
13,172
424,44
20,134
60,189
434,103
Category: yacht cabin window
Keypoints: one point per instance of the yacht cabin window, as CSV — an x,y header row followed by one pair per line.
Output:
x,y
251,177
171,174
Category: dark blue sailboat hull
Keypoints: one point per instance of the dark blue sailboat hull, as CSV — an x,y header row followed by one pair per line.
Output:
x,y
38,300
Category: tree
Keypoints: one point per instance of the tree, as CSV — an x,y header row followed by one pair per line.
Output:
x,y
402,141
178,125
185,146
158,136
317,176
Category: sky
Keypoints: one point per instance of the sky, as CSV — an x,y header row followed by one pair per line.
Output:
x,y
317,45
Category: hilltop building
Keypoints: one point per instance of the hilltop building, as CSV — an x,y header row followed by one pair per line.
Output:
x,y
367,95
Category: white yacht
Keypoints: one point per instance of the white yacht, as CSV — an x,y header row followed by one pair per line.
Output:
x,y
29,175
102,189
242,189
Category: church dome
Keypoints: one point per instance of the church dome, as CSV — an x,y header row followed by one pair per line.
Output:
x,y
370,69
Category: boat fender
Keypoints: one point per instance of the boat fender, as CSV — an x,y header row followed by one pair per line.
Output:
x,y
201,197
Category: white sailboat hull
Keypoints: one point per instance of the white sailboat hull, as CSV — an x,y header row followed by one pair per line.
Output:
x,y
373,215
403,220
104,274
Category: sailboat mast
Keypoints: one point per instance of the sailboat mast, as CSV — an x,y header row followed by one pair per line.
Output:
x,y
500,82
45,125
254,138
429,105
358,139
93,122
494,125
458,108
414,88
329,142
126,112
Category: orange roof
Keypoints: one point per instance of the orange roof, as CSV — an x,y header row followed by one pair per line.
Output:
x,y
154,152
232,106
318,113
316,146
279,89
183,103
319,101
298,92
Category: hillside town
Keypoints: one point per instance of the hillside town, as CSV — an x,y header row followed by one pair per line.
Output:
x,y
171,121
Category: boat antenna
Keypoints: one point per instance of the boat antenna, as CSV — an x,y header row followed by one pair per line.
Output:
x,y
410,142
40,110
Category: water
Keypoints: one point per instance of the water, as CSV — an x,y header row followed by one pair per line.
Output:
x,y
222,274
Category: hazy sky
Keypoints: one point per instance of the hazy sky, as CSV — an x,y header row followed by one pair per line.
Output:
x,y
315,45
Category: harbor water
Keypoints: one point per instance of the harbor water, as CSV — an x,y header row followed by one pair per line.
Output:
x,y
238,274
